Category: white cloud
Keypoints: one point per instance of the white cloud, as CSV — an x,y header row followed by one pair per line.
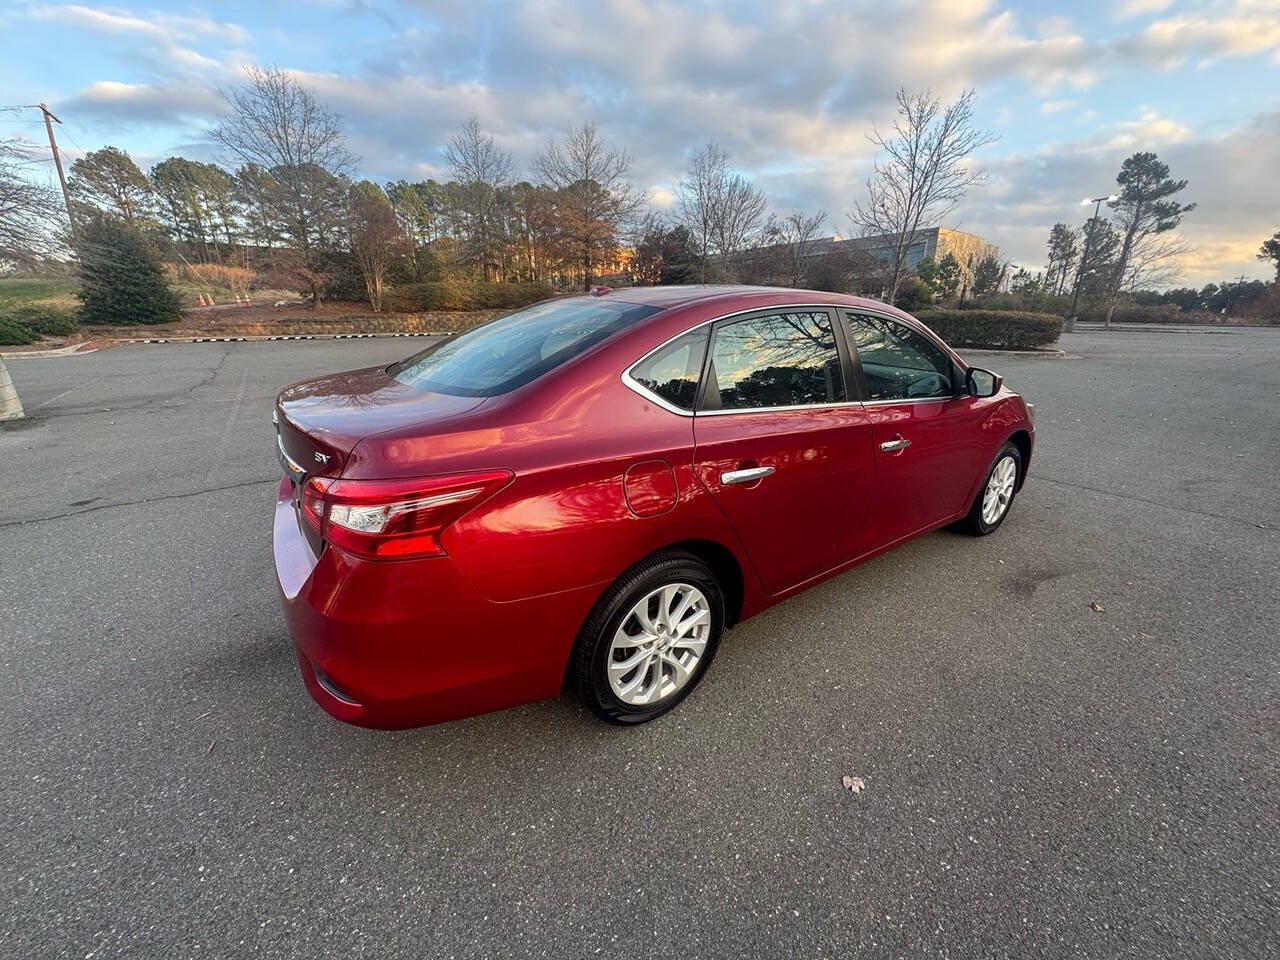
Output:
x,y
157,24
1234,213
118,102
174,36
1139,8
1240,29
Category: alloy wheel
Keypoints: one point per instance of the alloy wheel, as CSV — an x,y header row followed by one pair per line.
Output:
x,y
658,644
999,492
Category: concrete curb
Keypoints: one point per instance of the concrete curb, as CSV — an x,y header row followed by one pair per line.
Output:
x,y
288,336
1048,354
75,348
10,405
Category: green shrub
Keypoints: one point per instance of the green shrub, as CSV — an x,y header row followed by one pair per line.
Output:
x,y
12,333
42,319
1027,300
121,280
1136,313
453,295
993,329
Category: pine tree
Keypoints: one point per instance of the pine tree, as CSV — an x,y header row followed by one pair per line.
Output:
x,y
121,280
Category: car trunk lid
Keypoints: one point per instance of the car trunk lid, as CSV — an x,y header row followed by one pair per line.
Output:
x,y
319,422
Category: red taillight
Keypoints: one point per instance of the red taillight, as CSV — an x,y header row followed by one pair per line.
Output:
x,y
313,501
395,519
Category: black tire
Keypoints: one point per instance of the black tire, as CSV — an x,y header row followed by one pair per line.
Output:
x,y
588,664
973,523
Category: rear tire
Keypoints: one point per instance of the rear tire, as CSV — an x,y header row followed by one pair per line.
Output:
x,y
995,496
649,639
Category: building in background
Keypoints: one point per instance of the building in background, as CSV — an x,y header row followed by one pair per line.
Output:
x,y
859,261
934,243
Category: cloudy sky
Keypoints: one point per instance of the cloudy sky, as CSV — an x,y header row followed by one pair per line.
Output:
x,y
790,88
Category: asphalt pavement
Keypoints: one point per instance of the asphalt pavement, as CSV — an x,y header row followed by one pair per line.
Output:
x,y
1069,731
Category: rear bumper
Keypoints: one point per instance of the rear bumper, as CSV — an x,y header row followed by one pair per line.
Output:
x,y
393,644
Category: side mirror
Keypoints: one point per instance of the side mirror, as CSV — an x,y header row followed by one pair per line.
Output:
x,y
982,383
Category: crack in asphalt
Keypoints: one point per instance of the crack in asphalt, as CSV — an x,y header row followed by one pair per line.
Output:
x,y
1253,524
132,503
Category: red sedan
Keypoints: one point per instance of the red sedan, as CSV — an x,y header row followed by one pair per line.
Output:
x,y
591,489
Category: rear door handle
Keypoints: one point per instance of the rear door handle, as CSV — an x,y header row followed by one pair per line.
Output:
x,y
897,443
745,476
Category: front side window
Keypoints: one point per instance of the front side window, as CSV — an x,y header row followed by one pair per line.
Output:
x,y
513,350
672,372
779,360
897,362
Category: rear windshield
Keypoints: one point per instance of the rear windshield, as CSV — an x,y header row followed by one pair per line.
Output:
x,y
510,351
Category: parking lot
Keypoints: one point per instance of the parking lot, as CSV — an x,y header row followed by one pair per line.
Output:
x,y
1042,778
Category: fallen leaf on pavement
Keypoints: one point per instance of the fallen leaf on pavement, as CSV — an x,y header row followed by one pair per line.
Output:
x,y
854,784
1096,607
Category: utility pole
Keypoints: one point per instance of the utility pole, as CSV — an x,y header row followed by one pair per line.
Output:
x,y
1097,202
57,162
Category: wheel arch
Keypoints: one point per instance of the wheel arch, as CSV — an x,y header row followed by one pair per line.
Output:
x,y
726,568
1022,440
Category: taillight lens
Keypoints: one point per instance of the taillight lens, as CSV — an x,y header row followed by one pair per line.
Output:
x,y
395,519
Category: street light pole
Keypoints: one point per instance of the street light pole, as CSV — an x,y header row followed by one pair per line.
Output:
x,y
1097,202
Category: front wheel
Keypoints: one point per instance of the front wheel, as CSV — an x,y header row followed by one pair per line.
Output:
x,y
649,639
992,503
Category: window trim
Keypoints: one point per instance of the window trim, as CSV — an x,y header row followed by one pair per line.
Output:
x,y
631,382
832,309
918,328
851,363
832,317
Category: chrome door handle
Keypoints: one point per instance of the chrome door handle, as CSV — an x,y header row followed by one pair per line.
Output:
x,y
745,476
889,446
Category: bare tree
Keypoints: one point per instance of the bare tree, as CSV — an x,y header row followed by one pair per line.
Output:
x,y
277,126
925,172
375,235
482,169
798,234
596,197
1154,260
723,210
30,214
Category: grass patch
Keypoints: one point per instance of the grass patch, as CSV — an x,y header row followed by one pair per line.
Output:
x,y
35,307
42,291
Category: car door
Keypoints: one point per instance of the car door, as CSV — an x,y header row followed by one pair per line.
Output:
x,y
923,427
782,445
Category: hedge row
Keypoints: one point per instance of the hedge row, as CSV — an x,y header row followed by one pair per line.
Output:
x,y
29,322
993,329
1134,313
417,297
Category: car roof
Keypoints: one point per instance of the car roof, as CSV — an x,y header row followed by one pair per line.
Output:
x,y
677,296
738,297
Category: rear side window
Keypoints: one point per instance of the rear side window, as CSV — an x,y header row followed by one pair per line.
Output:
x,y
513,350
779,360
672,372
897,362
